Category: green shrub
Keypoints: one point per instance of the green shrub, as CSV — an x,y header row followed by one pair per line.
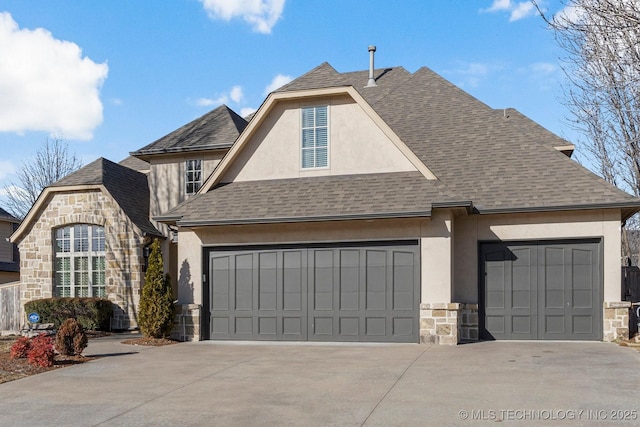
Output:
x,y
155,316
91,313
70,338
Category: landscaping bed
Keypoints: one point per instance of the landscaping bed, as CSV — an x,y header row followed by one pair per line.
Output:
x,y
13,369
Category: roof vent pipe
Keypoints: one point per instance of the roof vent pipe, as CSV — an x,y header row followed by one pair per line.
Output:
x,y
372,81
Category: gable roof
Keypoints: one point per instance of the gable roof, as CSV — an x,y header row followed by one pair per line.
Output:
x,y
218,129
498,165
128,188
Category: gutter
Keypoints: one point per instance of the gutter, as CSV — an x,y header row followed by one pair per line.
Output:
x,y
243,221
635,206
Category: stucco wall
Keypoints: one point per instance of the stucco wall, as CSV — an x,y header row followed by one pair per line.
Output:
x,y
556,225
167,178
123,243
356,145
191,242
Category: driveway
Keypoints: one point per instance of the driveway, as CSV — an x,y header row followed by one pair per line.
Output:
x,y
207,383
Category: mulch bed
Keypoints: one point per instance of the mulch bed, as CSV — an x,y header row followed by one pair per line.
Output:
x,y
155,342
13,369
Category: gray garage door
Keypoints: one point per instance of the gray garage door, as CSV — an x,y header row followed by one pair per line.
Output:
x,y
315,293
541,291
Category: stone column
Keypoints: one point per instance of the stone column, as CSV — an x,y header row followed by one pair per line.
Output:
x,y
616,320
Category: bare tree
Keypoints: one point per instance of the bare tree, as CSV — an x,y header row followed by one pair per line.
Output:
x,y
51,162
601,40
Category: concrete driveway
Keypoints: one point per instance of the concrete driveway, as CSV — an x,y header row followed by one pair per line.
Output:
x,y
207,383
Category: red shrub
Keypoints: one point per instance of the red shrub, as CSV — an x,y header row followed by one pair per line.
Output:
x,y
20,348
41,353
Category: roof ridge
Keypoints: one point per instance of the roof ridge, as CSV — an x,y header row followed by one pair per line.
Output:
x,y
219,127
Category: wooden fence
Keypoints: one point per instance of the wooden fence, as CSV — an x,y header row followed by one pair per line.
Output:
x,y
10,307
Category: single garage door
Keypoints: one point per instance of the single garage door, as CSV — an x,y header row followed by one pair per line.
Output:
x,y
342,292
541,290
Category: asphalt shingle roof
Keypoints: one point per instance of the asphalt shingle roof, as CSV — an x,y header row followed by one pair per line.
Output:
x,y
6,216
136,164
484,158
500,165
345,196
128,187
216,129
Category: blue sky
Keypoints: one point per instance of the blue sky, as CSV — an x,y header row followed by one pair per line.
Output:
x,y
112,76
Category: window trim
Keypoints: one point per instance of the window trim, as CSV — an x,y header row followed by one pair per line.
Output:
x,y
328,126
72,255
197,184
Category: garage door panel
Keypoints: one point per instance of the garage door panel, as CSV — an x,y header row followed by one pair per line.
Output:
x,y
376,326
521,325
293,294
403,326
267,326
349,326
221,279
495,324
293,326
557,296
354,293
582,325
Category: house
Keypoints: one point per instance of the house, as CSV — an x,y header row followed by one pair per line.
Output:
x,y
378,206
9,258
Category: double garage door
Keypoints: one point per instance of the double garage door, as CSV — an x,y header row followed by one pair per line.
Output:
x,y
541,291
340,292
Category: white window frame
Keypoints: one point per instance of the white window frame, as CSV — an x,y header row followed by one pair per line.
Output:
x,y
72,254
197,183
302,129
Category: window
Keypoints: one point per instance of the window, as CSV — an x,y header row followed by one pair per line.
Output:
x,y
79,261
193,176
315,137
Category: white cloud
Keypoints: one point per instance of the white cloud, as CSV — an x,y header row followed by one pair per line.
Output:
x,y
569,14
521,11
277,82
116,101
543,68
246,111
470,74
6,169
499,5
262,15
208,102
46,84
236,94
517,10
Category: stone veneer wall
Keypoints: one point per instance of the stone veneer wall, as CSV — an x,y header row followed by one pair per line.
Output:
x,y
186,325
616,320
448,323
123,257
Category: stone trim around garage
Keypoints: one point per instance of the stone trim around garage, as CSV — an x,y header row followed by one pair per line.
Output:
x,y
186,324
448,323
616,320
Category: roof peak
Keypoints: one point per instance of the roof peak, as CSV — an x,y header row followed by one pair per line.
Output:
x,y
218,128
